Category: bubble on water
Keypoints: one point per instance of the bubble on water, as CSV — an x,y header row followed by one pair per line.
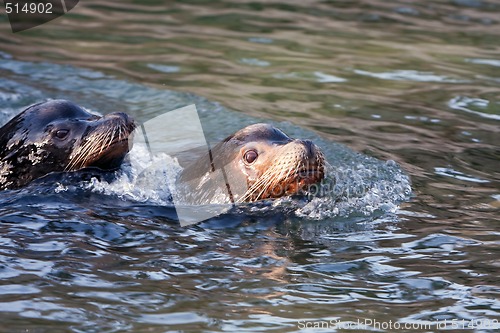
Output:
x,y
359,190
148,179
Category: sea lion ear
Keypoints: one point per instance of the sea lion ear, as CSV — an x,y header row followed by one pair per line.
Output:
x,y
8,132
4,138
234,140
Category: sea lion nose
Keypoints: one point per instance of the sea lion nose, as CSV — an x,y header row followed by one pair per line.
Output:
x,y
310,148
122,116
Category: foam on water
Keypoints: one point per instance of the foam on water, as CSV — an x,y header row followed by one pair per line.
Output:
x,y
349,188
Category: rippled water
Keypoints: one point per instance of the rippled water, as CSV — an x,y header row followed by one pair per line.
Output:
x,y
413,82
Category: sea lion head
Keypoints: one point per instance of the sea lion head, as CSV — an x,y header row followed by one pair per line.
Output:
x,y
266,160
57,136
276,165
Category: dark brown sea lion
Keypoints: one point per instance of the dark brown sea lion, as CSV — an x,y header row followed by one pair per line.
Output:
x,y
257,162
58,136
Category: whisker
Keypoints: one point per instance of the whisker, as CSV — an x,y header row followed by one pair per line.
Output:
x,y
286,167
96,144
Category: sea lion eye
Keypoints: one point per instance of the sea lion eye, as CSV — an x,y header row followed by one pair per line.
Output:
x,y
250,156
61,134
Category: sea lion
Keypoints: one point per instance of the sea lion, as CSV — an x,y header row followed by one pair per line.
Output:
x,y
57,136
255,163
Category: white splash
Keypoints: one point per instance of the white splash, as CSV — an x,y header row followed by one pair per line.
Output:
x,y
146,179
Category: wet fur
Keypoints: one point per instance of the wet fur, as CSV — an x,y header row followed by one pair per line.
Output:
x,y
290,165
28,149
